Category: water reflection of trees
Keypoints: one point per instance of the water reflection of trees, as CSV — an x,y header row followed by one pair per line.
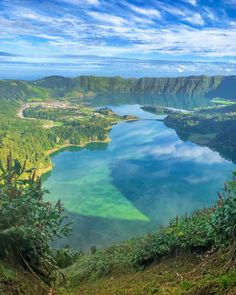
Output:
x,y
184,102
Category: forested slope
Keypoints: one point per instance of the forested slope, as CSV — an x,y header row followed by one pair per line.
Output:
x,y
82,86
48,129
20,90
214,127
192,85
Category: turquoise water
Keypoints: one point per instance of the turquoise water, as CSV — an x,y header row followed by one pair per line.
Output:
x,y
142,178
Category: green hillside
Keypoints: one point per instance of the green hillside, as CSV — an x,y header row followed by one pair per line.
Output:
x,y
43,130
82,86
192,85
21,90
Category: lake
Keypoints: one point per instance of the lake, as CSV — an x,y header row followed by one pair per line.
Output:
x,y
132,185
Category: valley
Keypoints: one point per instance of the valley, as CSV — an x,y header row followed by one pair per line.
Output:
x,y
117,147
121,169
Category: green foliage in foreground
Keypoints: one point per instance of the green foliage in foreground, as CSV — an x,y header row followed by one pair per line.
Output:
x,y
28,224
206,229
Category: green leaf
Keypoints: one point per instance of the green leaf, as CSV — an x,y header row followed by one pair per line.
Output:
x,y
17,167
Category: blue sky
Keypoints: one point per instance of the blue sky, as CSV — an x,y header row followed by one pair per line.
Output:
x,y
126,38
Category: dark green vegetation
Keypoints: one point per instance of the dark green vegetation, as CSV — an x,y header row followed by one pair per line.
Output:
x,y
160,262
26,140
74,125
74,114
214,127
108,112
31,139
21,90
158,110
89,86
28,224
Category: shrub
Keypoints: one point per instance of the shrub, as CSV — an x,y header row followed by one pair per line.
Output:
x,y
28,223
66,257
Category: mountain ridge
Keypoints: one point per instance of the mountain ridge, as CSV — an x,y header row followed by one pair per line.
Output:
x,y
55,87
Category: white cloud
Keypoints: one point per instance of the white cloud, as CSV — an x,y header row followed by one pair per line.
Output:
x,y
180,151
180,70
142,21
93,2
82,2
192,2
70,34
209,14
107,18
174,10
148,12
186,14
197,179
134,30
195,19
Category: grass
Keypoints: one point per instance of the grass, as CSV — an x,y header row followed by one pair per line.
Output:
x,y
184,274
15,280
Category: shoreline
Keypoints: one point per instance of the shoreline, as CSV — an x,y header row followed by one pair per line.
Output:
x,y
41,171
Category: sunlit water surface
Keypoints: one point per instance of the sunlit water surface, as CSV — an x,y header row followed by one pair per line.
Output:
x,y
142,178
